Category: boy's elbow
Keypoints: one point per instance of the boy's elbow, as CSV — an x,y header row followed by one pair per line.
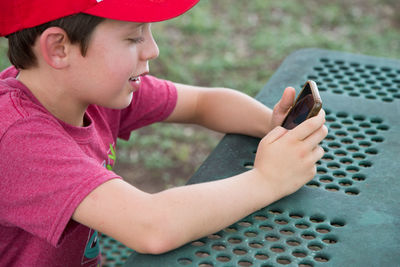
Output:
x,y
159,235
157,247
157,243
158,232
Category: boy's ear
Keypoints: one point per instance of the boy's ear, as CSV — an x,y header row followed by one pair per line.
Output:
x,y
54,46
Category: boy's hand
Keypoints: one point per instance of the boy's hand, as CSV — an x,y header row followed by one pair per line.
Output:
x,y
282,107
286,159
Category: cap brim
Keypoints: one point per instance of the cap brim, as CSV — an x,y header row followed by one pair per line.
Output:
x,y
141,10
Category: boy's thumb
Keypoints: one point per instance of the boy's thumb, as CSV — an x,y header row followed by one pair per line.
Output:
x,y
286,101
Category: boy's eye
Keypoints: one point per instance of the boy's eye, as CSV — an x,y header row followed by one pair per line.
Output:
x,y
136,40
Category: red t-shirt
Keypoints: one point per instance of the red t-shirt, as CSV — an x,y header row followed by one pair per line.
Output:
x,y
48,167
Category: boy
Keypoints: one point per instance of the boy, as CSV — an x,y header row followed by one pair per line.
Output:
x,y
80,80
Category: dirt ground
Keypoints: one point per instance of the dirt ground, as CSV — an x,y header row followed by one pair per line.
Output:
x,y
153,180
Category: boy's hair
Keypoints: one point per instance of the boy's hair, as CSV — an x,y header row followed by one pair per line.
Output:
x,y
78,28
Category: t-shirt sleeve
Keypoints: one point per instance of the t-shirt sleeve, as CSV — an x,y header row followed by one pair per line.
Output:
x,y
44,177
153,102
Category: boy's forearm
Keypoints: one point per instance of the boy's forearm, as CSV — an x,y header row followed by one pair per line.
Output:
x,y
230,111
221,109
191,212
157,223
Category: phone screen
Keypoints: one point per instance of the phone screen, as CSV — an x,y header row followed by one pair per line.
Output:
x,y
301,109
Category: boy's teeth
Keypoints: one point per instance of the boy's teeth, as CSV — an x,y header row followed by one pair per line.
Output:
x,y
135,79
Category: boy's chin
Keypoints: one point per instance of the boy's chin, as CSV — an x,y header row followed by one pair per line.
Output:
x,y
120,104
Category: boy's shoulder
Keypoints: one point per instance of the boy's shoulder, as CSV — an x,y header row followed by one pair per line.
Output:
x,y
15,103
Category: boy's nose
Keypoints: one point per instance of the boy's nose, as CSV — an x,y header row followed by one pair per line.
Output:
x,y
150,50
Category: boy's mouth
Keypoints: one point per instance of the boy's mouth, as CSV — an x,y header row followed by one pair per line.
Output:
x,y
135,83
135,79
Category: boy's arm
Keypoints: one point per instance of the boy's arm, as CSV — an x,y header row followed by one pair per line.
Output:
x,y
227,110
156,223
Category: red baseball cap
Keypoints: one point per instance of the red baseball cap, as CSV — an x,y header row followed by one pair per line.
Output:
x,y
16,15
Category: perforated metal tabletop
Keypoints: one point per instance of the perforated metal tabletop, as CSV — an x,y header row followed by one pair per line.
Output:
x,y
349,214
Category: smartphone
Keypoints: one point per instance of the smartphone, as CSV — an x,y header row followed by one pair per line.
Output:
x,y
308,103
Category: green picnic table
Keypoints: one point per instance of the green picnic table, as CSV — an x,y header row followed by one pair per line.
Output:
x,y
349,214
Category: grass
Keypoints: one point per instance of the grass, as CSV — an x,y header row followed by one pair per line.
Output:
x,y
239,44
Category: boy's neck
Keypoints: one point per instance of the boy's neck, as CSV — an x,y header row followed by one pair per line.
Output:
x,y
53,97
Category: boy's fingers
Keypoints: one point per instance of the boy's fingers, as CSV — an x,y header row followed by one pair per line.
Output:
x,y
318,153
309,126
275,134
316,137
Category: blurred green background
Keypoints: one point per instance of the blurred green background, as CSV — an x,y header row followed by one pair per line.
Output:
x,y
239,44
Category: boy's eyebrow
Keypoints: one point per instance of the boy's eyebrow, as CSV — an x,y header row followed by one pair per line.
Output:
x,y
137,25
128,28
132,27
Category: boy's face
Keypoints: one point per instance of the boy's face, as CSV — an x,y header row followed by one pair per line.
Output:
x,y
117,55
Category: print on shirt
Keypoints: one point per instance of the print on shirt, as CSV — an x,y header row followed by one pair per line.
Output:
x,y
109,163
92,248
